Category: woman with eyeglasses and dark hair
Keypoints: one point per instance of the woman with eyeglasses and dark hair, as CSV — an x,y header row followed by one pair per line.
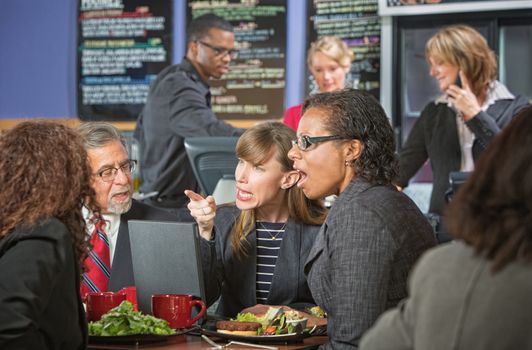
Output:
x,y
254,251
45,177
475,293
373,234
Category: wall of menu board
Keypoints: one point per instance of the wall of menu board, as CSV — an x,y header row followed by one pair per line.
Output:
x,y
419,7
358,24
122,45
254,86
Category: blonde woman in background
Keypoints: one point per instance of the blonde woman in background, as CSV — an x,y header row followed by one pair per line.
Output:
x,y
328,60
456,128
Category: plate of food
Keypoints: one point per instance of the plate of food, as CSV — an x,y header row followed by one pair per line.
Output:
x,y
123,325
316,318
275,325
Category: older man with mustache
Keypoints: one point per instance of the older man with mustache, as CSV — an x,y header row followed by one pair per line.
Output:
x,y
109,265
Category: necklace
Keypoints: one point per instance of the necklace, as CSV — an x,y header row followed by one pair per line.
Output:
x,y
274,237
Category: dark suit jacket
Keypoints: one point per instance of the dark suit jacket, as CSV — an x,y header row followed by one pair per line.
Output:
x,y
234,279
178,106
122,268
435,137
40,305
359,264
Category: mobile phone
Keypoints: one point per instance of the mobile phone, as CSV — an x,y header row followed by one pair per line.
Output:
x,y
458,81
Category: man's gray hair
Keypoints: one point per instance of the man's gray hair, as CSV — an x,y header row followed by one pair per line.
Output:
x,y
99,134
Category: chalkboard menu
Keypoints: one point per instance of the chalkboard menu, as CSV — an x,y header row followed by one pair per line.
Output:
x,y
428,2
357,23
254,86
423,7
122,45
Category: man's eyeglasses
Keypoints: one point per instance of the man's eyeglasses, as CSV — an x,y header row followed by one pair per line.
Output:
x,y
220,51
304,141
109,174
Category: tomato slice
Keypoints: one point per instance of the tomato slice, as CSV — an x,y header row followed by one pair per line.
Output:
x,y
270,330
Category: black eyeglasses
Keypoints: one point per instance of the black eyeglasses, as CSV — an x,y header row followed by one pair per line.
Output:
x,y
304,141
109,174
220,51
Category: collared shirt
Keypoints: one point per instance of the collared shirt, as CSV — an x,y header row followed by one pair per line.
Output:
x,y
496,91
112,224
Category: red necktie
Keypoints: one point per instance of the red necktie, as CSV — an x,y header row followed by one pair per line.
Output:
x,y
98,263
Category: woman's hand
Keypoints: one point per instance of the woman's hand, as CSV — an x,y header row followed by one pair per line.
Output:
x,y
204,211
464,100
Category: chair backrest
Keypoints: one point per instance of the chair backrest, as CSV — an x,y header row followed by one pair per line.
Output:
x,y
212,158
456,179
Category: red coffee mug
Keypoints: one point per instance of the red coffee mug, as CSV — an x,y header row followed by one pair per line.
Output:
x,y
99,303
176,309
131,296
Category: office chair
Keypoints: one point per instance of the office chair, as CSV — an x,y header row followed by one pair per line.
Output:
x,y
456,179
214,161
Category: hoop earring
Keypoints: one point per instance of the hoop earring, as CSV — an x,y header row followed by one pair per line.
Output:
x,y
347,163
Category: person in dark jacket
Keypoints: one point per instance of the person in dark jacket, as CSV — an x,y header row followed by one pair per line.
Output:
x,y
112,182
456,128
254,252
45,177
179,106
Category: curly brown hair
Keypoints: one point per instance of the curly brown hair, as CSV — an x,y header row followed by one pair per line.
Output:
x,y
44,172
492,211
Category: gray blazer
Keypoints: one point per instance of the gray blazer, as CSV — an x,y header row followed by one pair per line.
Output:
x,y
122,268
233,279
360,261
456,303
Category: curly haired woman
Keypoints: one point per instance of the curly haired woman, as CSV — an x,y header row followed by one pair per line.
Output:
x,y
45,179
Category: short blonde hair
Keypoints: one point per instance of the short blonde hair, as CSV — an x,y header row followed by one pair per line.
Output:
x,y
332,47
464,47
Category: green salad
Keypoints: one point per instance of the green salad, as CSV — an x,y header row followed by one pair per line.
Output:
x,y
273,322
122,320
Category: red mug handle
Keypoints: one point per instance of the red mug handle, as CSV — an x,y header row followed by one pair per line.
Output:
x,y
202,311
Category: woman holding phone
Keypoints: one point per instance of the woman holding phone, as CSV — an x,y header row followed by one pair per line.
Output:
x,y
454,130
253,251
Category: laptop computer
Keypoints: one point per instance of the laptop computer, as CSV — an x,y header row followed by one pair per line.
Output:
x,y
166,260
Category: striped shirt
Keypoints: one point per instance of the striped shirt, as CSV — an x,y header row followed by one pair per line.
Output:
x,y
269,239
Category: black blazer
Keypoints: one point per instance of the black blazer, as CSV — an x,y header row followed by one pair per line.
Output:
x,y
435,137
122,268
233,280
40,304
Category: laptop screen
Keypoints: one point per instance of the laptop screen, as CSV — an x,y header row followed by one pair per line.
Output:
x,y
166,260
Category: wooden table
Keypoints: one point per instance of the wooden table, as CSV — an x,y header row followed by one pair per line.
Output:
x,y
192,342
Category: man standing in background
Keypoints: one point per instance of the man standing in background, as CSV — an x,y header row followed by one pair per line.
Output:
x,y
179,106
